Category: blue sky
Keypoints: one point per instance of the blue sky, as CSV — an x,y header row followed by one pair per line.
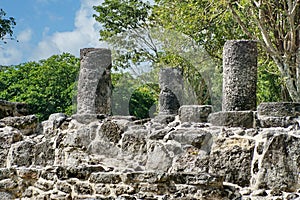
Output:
x,y
48,27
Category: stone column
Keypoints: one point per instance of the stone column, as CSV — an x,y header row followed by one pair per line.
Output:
x,y
94,83
171,84
239,85
239,75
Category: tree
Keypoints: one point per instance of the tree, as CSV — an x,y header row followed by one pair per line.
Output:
x,y
129,28
6,26
275,24
48,86
133,96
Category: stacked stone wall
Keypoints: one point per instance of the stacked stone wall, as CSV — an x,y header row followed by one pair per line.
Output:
x,y
183,153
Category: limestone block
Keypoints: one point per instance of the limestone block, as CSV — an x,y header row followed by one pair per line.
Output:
x,y
278,114
158,157
12,109
199,138
105,178
268,122
21,154
82,137
134,141
232,119
239,75
279,168
8,136
279,109
82,188
79,172
6,196
192,160
232,158
44,153
26,124
194,113
94,83
88,118
111,131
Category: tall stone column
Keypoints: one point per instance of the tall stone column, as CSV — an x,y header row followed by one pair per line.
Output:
x,y
171,84
239,85
239,75
94,83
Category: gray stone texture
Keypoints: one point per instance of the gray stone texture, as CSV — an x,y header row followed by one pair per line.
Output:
x,y
171,95
280,164
232,158
278,114
13,109
94,83
232,119
279,109
122,157
194,113
239,75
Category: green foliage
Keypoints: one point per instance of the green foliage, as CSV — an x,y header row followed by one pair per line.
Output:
x,y
143,101
207,22
47,86
6,26
269,83
132,96
189,34
119,16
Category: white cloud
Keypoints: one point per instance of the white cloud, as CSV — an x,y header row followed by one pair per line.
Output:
x,y
85,34
13,52
25,36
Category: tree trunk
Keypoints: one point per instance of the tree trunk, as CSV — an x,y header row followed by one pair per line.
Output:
x,y
290,74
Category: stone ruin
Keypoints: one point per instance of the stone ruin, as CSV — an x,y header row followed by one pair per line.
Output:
x,y
185,152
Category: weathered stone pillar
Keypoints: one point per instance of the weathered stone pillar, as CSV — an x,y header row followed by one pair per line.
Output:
x,y
171,84
239,85
239,75
94,83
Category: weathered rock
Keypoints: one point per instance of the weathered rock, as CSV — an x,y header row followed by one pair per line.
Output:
x,y
200,139
158,157
6,196
21,154
280,164
239,75
279,109
168,102
81,137
171,84
44,153
88,118
13,109
232,119
26,124
111,131
278,114
194,113
232,158
134,141
164,119
8,136
192,160
94,83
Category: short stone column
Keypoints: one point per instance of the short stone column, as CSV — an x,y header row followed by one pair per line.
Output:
x,y
239,75
171,84
94,83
